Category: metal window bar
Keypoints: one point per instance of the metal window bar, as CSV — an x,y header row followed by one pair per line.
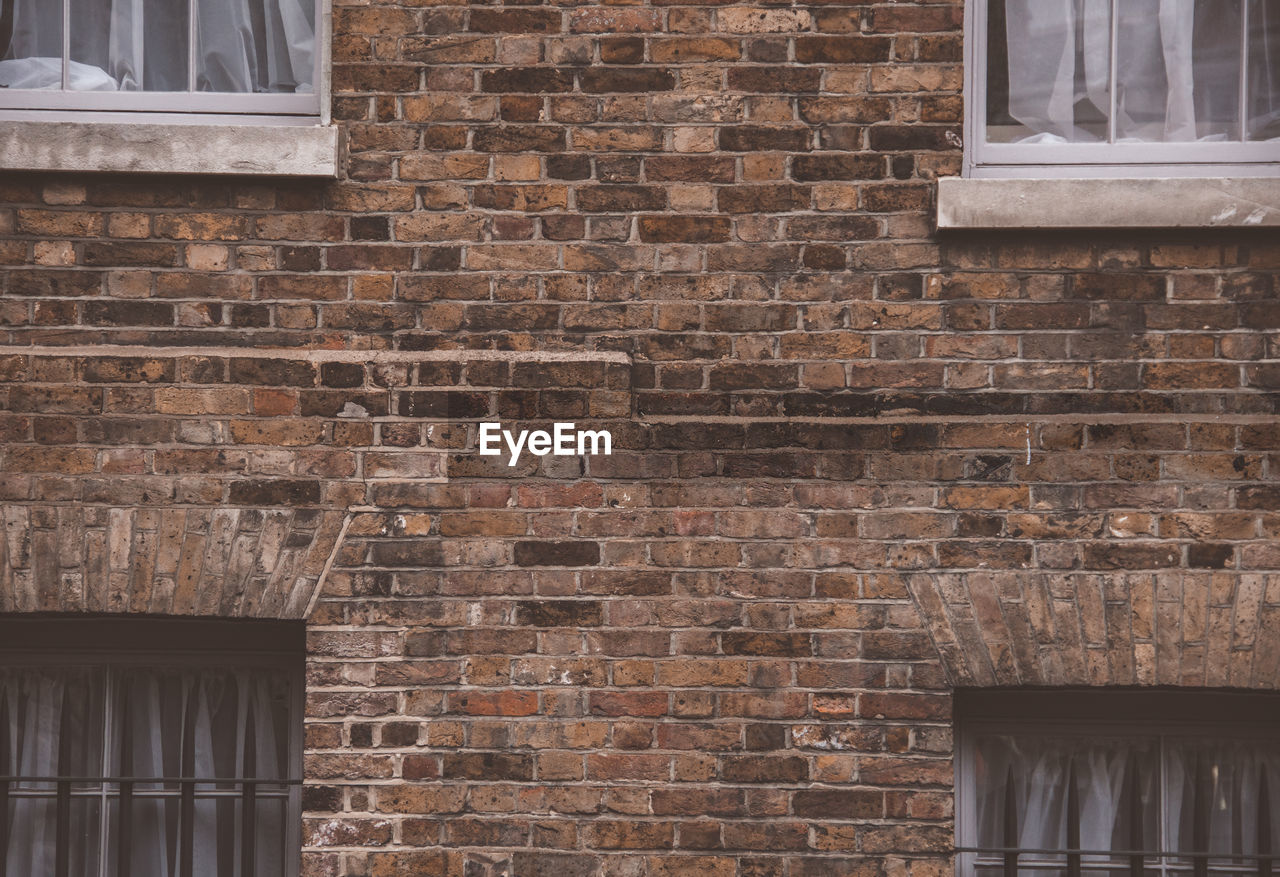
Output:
x,y
62,829
1148,854
247,791
124,829
141,780
187,807
1264,824
1135,819
1073,821
248,803
4,784
1201,804
104,812
1269,856
1010,826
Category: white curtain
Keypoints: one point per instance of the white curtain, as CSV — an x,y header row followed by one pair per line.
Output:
x,y
51,721
1210,802
1102,769
1214,795
207,723
1177,69
141,45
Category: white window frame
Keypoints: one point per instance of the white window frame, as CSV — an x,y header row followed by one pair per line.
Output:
x,y
65,105
1007,719
177,132
1095,160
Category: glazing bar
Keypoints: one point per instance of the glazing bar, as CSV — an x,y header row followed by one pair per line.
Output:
x,y
66,44
192,32
187,804
248,802
1245,5
1112,86
1264,825
1010,827
1073,822
4,784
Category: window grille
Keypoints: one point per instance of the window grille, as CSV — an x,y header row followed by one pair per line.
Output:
x,y
1092,786
167,747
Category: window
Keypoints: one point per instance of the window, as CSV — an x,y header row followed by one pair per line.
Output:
x,y
1118,783
166,86
1113,88
141,746
245,57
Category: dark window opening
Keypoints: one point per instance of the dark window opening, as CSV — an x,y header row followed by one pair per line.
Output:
x,y
1104,784
150,746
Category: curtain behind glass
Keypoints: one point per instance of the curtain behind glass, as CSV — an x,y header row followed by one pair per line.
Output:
x,y
1106,775
181,722
207,723
1178,70
51,724
1264,70
1211,803
1214,795
243,46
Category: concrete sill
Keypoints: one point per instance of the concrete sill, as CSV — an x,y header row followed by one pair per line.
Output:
x,y
123,147
1115,203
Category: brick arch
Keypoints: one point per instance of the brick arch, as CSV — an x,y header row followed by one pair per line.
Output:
x,y
228,562
1176,629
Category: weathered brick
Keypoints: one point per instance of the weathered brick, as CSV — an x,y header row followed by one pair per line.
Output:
x,y
857,463
557,553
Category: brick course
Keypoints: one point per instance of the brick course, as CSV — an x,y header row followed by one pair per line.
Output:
x,y
856,463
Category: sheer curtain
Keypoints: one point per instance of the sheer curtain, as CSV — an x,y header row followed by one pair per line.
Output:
x,y
50,725
1210,802
1040,773
1178,69
180,722
1214,796
242,46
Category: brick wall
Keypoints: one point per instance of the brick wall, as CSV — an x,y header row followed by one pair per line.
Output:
x,y
857,463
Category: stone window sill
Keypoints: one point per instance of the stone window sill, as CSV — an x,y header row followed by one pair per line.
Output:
x,y
1108,203
126,147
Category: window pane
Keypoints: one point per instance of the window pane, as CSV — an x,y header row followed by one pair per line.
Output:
x,y
1048,69
212,723
51,721
1040,792
218,837
1178,70
129,45
31,38
35,821
1216,797
51,725
1264,70
152,837
256,45
202,722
